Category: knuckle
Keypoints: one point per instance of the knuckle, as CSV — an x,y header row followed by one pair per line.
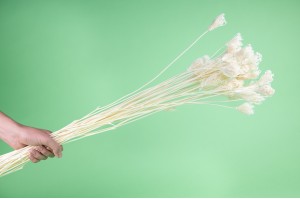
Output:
x,y
33,153
43,150
48,148
38,148
37,155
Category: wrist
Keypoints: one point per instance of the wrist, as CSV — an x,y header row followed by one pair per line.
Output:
x,y
8,128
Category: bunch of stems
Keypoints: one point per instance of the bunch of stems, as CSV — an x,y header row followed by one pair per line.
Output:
x,y
181,89
205,82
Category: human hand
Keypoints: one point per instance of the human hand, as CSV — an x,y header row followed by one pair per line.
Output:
x,y
18,136
46,146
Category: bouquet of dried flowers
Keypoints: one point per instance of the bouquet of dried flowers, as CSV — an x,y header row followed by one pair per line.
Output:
x,y
231,75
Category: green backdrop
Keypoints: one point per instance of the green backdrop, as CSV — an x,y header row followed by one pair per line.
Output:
x,y
61,59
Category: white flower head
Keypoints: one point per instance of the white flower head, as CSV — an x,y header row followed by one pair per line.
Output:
x,y
232,84
200,62
249,74
249,52
246,108
251,59
266,90
255,98
266,78
227,57
231,70
235,44
249,95
198,66
218,22
214,80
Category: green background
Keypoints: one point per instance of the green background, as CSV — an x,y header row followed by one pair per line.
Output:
x,y
61,59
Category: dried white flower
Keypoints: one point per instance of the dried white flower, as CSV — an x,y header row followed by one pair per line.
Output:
x,y
266,90
235,44
246,108
249,74
249,94
266,78
232,84
206,82
218,22
199,63
231,69
252,60
248,51
229,73
255,98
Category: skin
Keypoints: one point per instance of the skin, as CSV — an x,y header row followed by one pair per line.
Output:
x,y
18,136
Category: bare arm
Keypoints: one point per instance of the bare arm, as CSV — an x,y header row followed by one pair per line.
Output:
x,y
18,136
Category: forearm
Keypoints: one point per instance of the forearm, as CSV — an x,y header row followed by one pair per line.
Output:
x,y
8,127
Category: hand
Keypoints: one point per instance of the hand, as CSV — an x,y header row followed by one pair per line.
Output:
x,y
18,136
46,145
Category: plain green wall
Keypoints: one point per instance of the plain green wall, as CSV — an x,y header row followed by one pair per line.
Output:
x,y
61,59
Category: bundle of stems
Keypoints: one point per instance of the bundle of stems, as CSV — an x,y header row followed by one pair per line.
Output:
x,y
218,80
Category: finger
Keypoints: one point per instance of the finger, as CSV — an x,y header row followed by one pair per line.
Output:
x,y
49,149
33,159
44,151
53,145
38,155
51,155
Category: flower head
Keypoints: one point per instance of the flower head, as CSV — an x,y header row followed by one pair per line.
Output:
x,y
266,78
218,22
199,63
231,69
266,90
229,73
235,44
246,108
